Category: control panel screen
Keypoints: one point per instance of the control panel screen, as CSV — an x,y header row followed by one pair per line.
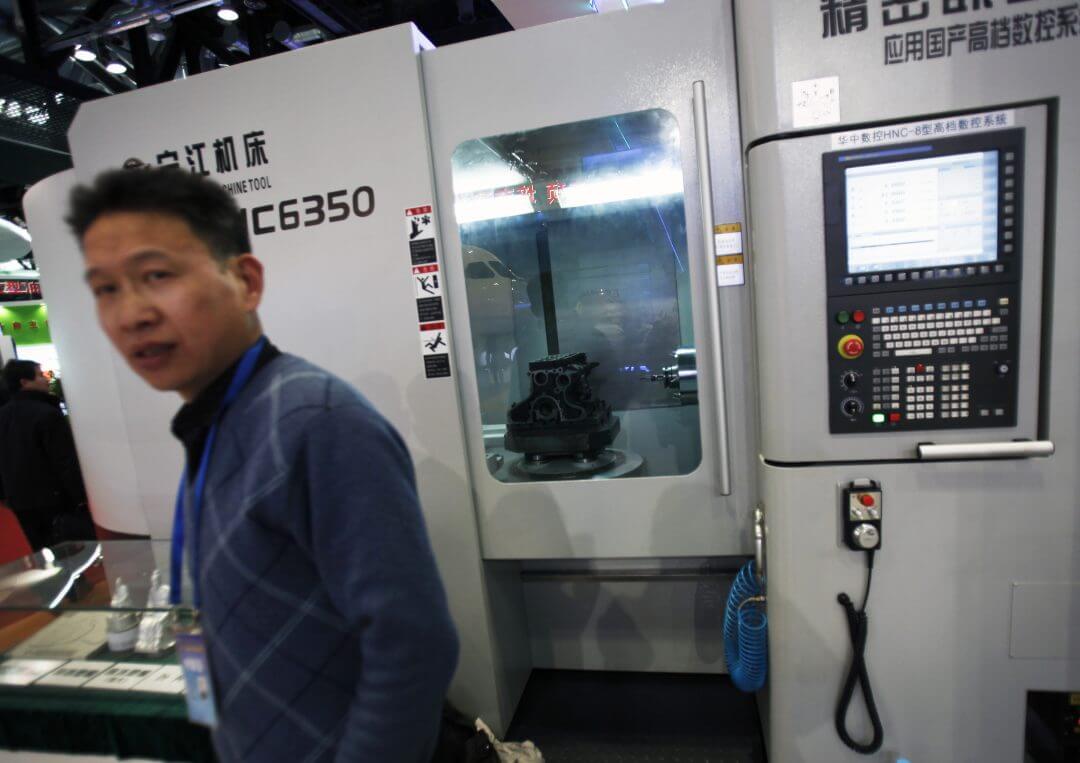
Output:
x,y
933,212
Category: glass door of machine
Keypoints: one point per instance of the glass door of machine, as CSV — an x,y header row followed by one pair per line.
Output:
x,y
574,252
581,169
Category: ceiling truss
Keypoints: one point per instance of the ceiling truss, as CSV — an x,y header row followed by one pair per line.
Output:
x,y
42,83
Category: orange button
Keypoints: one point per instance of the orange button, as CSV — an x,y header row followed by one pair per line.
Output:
x,y
850,346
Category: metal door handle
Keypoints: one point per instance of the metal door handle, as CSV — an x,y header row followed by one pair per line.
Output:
x,y
701,134
929,451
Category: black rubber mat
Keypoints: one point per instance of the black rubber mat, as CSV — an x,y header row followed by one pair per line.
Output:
x,y
606,717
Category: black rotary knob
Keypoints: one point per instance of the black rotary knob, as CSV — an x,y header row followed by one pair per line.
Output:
x,y
850,380
852,406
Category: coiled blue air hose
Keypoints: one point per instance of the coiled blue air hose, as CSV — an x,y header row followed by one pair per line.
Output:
x,y
746,644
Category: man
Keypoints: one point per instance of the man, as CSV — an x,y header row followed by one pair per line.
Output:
x,y
327,627
39,470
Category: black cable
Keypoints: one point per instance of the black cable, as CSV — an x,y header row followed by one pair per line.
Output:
x,y
869,575
857,674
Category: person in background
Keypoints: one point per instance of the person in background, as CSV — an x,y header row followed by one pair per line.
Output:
x,y
39,469
326,624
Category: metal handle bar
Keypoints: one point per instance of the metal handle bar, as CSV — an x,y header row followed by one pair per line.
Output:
x,y
929,451
716,347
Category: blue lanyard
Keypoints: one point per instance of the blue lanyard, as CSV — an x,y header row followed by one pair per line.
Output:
x,y
244,372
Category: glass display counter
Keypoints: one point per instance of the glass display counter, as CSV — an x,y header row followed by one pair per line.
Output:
x,y
86,662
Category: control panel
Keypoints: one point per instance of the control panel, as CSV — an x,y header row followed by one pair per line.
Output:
x,y
924,262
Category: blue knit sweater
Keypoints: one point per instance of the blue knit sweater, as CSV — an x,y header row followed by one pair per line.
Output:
x,y
327,625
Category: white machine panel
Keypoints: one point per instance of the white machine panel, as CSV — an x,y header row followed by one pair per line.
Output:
x,y
977,566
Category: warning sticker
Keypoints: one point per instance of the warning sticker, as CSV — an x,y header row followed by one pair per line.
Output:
x,y
423,252
434,341
426,281
729,255
427,289
420,222
430,309
436,366
433,337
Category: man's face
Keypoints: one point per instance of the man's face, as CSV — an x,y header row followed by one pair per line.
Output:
x,y
40,382
177,315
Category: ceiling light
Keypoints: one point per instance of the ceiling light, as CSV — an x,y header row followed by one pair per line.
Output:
x,y
115,67
84,54
282,32
227,14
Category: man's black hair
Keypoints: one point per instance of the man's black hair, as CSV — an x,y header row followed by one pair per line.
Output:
x,y
204,205
17,371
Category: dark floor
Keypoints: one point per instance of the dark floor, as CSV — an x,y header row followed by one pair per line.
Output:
x,y
605,717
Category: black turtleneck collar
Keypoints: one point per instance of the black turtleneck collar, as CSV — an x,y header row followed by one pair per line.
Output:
x,y
192,422
41,397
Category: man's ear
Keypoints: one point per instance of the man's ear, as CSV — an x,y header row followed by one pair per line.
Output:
x,y
249,270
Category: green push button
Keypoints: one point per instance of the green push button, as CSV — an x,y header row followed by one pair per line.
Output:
x,y
843,317
878,418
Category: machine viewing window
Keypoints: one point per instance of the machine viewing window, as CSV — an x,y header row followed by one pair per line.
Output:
x,y
929,212
575,265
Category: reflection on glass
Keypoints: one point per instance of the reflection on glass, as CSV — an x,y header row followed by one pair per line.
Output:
x,y
51,573
574,241
78,575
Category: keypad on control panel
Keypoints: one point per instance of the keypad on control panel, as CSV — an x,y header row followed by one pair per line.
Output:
x,y
931,274
940,329
946,363
923,392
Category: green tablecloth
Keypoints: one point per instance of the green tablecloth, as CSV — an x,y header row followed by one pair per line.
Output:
x,y
78,721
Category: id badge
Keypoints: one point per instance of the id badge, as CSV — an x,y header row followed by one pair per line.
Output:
x,y
191,652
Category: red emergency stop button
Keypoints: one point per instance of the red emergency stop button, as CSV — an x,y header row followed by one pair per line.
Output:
x,y
850,346
866,500
858,316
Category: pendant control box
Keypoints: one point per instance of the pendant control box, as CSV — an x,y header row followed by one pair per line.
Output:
x,y
861,515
